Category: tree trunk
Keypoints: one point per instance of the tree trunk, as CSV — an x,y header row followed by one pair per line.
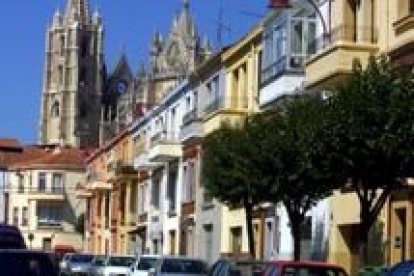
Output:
x,y
296,235
250,233
363,244
364,226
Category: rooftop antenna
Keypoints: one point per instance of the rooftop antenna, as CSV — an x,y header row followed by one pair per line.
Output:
x,y
221,27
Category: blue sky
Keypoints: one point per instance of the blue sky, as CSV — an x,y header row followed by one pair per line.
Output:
x,y
129,25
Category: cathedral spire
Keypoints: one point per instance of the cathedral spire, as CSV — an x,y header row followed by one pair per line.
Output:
x,y
77,10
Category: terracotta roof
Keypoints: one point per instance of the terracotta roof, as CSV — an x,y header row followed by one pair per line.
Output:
x,y
9,157
9,144
70,158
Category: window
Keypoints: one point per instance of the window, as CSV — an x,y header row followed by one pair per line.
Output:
x,y
134,197
41,182
49,214
62,45
16,216
208,242
155,192
60,74
172,242
143,199
25,216
55,109
189,182
411,7
20,187
57,183
172,187
236,240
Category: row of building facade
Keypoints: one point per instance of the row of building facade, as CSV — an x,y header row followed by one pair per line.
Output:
x,y
144,192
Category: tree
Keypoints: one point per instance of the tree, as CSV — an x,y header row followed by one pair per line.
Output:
x,y
230,173
298,180
369,136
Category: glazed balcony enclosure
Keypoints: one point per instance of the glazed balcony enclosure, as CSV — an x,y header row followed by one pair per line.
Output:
x,y
337,52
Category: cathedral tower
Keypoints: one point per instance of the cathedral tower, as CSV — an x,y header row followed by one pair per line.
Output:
x,y
73,78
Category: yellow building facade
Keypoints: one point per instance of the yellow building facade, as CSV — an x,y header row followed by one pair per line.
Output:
x,y
241,73
359,29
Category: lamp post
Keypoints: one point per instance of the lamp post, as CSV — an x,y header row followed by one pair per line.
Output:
x,y
285,4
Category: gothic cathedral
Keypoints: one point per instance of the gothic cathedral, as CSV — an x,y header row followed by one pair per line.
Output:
x,y
82,104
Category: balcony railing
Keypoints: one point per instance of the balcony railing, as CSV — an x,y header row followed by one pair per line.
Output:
x,y
47,190
216,104
346,33
163,137
47,223
190,117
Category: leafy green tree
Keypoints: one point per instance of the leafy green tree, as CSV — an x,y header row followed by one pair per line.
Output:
x,y
369,137
298,179
230,173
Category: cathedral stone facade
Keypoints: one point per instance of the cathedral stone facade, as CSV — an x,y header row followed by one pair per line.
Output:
x,y
82,104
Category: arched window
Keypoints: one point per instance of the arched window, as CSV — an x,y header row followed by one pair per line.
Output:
x,y
55,109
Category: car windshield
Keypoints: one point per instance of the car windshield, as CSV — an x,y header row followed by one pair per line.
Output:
x,y
120,261
99,261
146,263
81,258
183,266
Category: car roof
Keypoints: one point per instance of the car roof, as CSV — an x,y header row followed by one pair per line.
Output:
x,y
303,263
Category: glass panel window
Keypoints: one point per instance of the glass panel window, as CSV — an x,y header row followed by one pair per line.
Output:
x,y
16,216
57,183
20,187
25,216
49,214
41,182
297,37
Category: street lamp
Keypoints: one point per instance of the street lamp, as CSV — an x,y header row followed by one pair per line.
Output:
x,y
285,4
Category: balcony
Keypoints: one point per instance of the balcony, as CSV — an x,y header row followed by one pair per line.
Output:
x,y
142,163
47,194
192,127
164,147
99,185
335,55
83,193
214,106
121,169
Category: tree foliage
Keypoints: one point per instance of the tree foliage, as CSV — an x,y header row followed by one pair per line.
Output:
x,y
368,136
299,180
230,173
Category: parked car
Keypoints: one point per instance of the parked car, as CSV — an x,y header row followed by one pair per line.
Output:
x,y
63,264
97,263
178,266
111,265
290,268
11,237
405,268
143,264
226,267
78,264
24,262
